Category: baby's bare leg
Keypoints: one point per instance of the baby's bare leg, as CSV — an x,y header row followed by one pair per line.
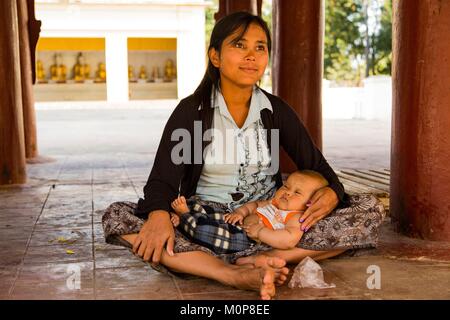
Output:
x,y
251,219
179,205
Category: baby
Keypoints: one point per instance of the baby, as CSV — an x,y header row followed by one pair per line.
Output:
x,y
274,222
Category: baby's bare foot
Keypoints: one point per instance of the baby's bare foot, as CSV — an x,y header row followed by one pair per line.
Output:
x,y
179,205
174,219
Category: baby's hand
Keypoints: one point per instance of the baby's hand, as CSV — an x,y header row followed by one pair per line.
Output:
x,y
252,230
175,219
233,218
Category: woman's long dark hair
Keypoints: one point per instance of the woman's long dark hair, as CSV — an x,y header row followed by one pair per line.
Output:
x,y
224,28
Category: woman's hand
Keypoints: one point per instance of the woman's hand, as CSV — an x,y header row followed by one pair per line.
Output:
x,y
154,234
322,203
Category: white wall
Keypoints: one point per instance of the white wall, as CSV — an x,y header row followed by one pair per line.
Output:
x,y
372,101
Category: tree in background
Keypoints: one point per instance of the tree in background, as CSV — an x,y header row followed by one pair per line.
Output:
x,y
209,19
343,43
357,39
381,61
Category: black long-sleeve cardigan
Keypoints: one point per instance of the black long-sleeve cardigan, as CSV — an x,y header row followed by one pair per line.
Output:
x,y
167,178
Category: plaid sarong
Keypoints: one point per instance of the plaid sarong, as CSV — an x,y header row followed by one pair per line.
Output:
x,y
203,226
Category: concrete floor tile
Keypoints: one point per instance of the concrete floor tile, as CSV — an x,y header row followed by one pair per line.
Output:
x,y
6,223
81,221
137,294
101,245
58,254
15,232
12,258
224,295
98,231
133,277
53,281
399,279
58,237
57,295
341,289
13,245
69,205
197,285
117,259
7,276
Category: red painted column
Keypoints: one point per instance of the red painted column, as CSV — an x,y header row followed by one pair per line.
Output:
x,y
228,6
298,28
420,148
12,144
29,115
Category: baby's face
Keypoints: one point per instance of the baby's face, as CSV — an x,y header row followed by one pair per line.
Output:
x,y
295,192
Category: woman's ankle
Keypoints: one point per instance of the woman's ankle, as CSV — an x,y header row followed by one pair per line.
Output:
x,y
231,278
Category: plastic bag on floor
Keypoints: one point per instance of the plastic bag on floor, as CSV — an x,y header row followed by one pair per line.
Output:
x,y
309,274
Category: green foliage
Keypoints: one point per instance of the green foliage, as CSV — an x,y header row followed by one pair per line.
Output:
x,y
209,19
357,45
382,44
343,43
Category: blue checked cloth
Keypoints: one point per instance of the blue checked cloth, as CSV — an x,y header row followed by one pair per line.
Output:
x,y
208,228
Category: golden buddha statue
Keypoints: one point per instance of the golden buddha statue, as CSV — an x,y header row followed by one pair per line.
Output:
x,y
169,71
40,72
143,73
81,70
131,77
87,71
58,70
100,74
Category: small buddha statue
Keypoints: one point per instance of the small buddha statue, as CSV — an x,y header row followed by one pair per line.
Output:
x,y
58,70
40,72
143,73
87,71
81,69
100,74
169,71
131,77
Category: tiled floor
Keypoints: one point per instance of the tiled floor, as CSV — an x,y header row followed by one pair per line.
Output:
x,y
51,236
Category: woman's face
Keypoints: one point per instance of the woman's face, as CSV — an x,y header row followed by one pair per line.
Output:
x,y
242,63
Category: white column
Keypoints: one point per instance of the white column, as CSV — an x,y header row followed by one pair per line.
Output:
x,y
116,56
191,53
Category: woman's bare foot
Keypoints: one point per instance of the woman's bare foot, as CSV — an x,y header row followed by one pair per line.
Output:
x,y
263,278
259,259
267,290
179,205
264,261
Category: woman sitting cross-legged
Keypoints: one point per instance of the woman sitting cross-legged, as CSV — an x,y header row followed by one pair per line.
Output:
x,y
237,163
